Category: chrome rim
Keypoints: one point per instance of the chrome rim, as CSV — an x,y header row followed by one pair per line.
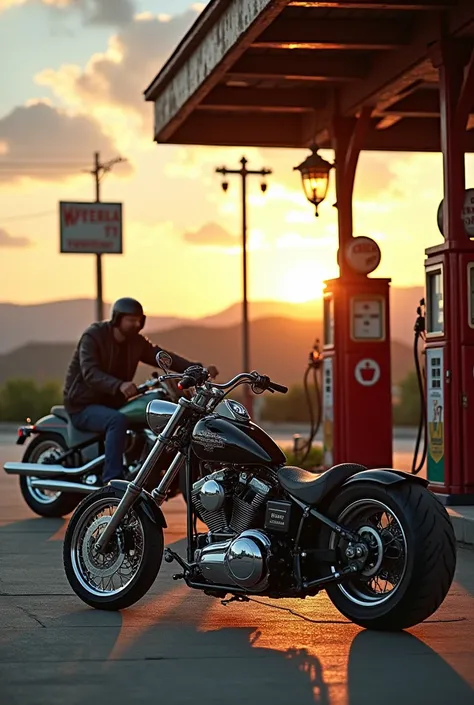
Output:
x,y
107,574
47,451
382,532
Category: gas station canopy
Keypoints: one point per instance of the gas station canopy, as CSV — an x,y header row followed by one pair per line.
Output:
x,y
272,73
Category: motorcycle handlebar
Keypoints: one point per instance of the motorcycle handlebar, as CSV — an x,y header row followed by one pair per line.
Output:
x,y
278,387
192,378
261,381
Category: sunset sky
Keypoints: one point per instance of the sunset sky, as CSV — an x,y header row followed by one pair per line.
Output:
x,y
77,71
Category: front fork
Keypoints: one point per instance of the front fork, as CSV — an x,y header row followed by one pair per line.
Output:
x,y
134,489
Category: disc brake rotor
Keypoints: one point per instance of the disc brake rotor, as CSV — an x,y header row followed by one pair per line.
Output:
x,y
101,565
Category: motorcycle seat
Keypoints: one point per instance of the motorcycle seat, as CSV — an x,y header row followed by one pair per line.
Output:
x,y
75,435
303,485
61,413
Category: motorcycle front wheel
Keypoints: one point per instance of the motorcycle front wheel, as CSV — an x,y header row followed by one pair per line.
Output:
x,y
123,575
411,558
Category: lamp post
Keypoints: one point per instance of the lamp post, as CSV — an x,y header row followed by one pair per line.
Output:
x,y
243,172
315,177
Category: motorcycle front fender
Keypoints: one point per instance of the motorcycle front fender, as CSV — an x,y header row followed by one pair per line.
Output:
x,y
145,501
385,476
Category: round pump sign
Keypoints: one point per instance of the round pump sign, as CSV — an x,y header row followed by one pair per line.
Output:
x,y
467,214
363,254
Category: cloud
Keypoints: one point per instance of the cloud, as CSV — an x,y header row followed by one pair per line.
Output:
x,y
43,143
7,240
118,77
211,234
98,12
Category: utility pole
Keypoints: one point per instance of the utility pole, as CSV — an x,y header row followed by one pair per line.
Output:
x,y
98,172
243,172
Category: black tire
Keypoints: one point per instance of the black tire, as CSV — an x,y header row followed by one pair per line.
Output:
x,y
430,556
65,502
147,571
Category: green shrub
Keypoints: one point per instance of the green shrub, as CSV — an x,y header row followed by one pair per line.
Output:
x,y
24,398
288,408
407,412
314,459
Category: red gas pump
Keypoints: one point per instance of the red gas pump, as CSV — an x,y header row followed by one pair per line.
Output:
x,y
449,351
357,371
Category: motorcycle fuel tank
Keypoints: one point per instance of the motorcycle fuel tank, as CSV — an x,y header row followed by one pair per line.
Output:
x,y
135,410
223,441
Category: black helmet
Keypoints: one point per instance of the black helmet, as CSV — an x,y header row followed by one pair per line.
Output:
x,y
126,307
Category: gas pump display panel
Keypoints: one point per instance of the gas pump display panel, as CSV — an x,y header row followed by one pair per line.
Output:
x,y
435,301
367,318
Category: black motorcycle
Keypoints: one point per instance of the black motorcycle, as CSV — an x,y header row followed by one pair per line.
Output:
x,y
378,541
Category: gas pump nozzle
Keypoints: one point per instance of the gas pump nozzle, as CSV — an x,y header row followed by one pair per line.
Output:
x,y
315,359
419,328
420,324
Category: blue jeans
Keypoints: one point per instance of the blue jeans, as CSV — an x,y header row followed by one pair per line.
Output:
x,y
101,419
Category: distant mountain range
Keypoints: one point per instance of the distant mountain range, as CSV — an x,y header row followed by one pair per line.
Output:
x,y
64,321
279,348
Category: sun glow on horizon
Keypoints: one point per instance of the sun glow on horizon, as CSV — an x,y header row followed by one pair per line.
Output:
x,y
301,283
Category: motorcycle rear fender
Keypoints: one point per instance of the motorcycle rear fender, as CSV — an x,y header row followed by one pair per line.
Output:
x,y
47,424
146,501
385,476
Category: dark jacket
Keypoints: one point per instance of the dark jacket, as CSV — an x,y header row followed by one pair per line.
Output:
x,y
89,379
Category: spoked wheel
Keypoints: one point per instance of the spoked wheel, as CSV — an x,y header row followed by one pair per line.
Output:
x,y
406,553
382,533
121,576
47,503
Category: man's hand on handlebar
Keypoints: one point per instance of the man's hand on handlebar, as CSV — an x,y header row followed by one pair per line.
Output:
x,y
128,389
213,371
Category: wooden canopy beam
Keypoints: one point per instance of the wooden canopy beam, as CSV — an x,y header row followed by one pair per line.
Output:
x,y
397,70
254,129
366,34
264,99
413,5
296,66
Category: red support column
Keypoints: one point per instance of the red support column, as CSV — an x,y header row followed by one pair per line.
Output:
x,y
356,368
348,135
449,465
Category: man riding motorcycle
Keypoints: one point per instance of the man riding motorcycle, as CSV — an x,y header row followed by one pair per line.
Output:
x,y
100,374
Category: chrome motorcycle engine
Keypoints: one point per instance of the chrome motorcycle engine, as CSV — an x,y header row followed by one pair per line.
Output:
x,y
243,561
228,501
236,551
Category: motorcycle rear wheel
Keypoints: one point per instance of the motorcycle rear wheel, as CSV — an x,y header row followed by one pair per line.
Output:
x,y
122,576
413,551
42,502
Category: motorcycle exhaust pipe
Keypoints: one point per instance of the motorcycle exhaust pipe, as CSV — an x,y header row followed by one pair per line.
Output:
x,y
62,486
40,470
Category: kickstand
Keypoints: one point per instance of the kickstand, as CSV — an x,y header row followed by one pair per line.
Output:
x,y
235,598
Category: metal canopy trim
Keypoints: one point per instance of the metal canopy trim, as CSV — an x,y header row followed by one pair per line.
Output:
x,y
270,72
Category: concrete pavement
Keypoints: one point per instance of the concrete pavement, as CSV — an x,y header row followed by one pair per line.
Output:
x,y
181,647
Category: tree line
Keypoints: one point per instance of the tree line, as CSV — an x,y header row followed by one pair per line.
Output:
x,y
24,398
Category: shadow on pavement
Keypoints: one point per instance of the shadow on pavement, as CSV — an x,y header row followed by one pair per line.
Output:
x,y
174,647
407,672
